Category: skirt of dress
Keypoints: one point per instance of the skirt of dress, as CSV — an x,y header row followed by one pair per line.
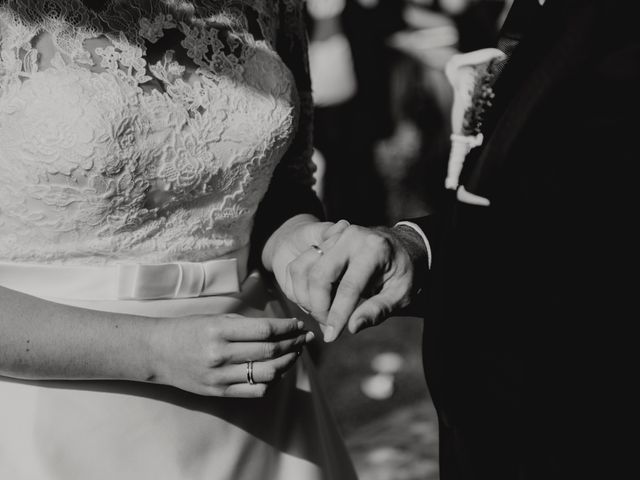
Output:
x,y
107,430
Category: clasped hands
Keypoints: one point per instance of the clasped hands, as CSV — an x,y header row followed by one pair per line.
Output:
x,y
343,275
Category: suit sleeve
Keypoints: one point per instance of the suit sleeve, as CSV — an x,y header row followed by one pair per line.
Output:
x,y
290,192
427,237
431,227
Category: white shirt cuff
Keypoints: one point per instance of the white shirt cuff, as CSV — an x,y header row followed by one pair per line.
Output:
x,y
419,231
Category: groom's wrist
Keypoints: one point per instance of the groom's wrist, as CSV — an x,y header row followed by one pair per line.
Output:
x,y
417,247
416,240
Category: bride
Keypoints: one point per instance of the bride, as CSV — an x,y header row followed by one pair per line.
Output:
x,y
154,156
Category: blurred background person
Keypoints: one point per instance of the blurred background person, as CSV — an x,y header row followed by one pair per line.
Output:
x,y
416,152
477,21
382,101
350,69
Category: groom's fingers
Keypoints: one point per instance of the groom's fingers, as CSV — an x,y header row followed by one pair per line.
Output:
x,y
373,310
349,293
361,253
394,295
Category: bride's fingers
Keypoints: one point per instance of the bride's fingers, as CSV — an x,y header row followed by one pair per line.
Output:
x,y
245,329
239,352
245,390
306,284
298,271
322,277
285,284
260,372
335,229
329,243
312,286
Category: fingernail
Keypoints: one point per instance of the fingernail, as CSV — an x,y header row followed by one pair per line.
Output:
x,y
353,326
309,337
360,325
329,334
300,324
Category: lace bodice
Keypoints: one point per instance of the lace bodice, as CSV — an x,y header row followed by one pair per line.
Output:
x,y
145,130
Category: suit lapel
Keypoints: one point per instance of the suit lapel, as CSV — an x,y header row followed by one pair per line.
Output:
x,y
557,44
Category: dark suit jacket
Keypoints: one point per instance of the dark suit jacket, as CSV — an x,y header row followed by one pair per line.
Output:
x,y
523,318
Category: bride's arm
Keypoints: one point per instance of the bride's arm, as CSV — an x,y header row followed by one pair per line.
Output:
x,y
40,340
290,199
43,340
288,220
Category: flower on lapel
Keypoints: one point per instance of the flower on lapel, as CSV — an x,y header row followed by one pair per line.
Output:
x,y
470,75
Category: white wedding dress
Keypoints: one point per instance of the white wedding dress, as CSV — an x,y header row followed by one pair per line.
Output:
x,y
137,139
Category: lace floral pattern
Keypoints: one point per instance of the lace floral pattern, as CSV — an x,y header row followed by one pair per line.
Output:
x,y
145,130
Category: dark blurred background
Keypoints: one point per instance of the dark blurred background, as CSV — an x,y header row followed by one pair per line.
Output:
x,y
381,146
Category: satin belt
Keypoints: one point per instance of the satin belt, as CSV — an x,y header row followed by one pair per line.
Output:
x,y
128,281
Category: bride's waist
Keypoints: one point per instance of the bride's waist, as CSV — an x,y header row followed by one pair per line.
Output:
x,y
128,281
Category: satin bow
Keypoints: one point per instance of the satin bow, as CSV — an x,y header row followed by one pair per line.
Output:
x,y
178,280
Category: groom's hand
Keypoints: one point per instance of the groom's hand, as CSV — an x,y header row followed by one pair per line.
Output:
x,y
360,277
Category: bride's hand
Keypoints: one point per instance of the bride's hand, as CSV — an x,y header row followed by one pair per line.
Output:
x,y
293,240
208,355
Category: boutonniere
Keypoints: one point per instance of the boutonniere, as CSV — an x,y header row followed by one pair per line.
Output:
x,y
471,76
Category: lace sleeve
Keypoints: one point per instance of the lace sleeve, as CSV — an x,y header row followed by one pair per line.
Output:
x,y
293,49
290,192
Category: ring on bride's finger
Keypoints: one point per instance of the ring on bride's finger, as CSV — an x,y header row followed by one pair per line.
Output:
x,y
250,379
317,248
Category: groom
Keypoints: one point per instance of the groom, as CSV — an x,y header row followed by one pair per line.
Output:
x,y
519,276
